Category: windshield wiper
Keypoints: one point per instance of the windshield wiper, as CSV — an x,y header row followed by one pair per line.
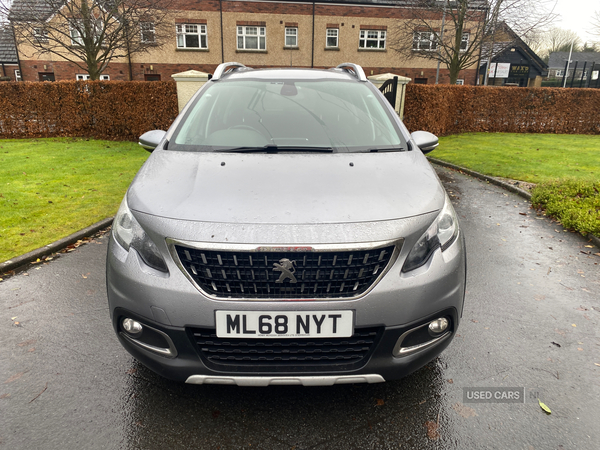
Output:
x,y
384,149
272,148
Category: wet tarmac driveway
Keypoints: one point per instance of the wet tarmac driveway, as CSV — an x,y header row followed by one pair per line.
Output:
x,y
530,321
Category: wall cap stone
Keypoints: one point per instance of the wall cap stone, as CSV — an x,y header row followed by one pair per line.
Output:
x,y
190,75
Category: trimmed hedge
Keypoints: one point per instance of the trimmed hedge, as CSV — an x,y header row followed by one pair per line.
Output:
x,y
445,110
124,110
118,110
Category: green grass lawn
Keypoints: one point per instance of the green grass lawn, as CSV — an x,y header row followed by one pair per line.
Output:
x,y
534,158
50,188
566,169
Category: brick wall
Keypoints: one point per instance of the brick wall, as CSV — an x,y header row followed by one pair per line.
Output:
x,y
350,19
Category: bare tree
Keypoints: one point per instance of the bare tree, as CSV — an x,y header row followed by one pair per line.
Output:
x,y
456,32
595,22
89,33
560,40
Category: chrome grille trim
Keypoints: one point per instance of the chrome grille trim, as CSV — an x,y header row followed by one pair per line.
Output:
x,y
255,250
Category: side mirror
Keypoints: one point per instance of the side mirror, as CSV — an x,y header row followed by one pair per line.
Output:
x,y
150,139
425,140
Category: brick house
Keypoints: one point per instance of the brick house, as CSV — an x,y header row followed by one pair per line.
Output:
x,y
261,33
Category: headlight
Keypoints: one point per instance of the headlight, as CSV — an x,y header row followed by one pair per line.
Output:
x,y
441,233
128,233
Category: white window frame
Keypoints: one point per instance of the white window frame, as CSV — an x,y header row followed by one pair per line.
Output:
x,y
559,72
147,32
18,76
464,42
246,35
76,37
292,34
369,36
86,76
332,35
191,29
460,81
422,37
40,35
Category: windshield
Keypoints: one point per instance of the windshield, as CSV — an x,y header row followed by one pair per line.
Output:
x,y
287,115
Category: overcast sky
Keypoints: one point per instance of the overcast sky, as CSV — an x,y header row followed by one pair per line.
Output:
x,y
576,16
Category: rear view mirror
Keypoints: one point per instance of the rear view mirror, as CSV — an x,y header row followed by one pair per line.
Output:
x,y
150,139
425,140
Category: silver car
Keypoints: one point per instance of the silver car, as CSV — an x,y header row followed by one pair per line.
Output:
x,y
287,229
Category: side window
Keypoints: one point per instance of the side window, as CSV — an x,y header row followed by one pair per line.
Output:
x,y
332,37
372,39
191,36
148,32
291,37
251,38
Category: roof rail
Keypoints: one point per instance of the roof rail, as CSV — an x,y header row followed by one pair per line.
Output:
x,y
222,69
354,69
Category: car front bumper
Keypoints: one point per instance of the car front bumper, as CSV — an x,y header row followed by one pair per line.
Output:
x,y
171,307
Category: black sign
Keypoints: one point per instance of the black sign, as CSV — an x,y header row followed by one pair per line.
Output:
x,y
518,70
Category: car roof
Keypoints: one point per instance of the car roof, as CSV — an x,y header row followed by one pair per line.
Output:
x,y
288,73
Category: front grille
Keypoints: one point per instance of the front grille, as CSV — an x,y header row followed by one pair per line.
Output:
x,y
284,274
294,354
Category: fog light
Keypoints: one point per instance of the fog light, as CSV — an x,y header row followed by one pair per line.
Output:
x,y
439,325
132,327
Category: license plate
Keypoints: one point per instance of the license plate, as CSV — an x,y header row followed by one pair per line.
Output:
x,y
284,324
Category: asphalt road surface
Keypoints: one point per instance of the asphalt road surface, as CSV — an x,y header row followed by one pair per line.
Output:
x,y
530,324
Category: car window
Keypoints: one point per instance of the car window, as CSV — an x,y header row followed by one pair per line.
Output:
x,y
344,116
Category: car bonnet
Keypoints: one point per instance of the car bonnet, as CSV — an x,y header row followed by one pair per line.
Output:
x,y
286,188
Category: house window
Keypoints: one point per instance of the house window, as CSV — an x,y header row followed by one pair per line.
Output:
x,y
191,36
148,32
251,38
76,38
18,75
332,37
83,77
76,26
371,39
560,72
424,40
291,37
151,77
40,35
464,42
460,81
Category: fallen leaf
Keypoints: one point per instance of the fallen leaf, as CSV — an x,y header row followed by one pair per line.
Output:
x,y
544,407
589,246
580,349
15,377
432,430
597,364
464,411
573,325
380,402
451,381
